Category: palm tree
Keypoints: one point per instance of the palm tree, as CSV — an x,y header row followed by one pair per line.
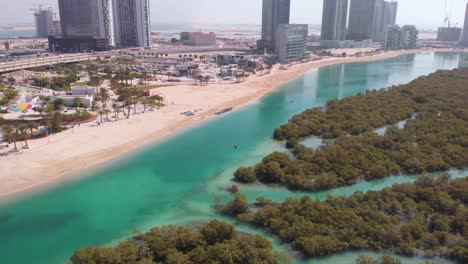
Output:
x,y
31,126
95,81
104,97
23,132
39,110
206,80
116,110
77,102
125,97
10,135
101,112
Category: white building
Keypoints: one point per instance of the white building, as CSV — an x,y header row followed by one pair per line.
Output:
x,y
70,100
291,41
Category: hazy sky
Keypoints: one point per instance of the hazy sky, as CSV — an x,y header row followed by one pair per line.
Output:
x,y
419,12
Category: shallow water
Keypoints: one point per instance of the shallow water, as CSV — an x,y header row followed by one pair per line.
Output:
x,y
177,181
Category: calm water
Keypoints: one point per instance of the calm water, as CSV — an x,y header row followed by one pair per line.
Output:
x,y
178,180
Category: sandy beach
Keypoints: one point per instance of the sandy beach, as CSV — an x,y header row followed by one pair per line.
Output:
x,y
62,156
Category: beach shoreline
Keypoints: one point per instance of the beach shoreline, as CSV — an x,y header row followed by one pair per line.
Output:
x,y
70,154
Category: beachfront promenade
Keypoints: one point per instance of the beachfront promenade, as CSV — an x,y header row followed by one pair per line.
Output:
x,y
44,61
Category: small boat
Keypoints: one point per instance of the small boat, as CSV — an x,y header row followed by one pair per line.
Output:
x,y
224,111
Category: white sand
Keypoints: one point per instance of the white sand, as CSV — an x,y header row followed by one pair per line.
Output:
x,y
71,152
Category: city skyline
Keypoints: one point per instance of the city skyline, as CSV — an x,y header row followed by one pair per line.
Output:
x,y
249,12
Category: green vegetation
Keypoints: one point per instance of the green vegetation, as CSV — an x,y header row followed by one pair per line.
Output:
x,y
436,139
385,259
215,242
428,217
56,83
365,259
8,94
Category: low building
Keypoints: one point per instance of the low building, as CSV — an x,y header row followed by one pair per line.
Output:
x,y
227,59
73,45
291,41
397,37
186,69
342,44
229,70
82,90
70,100
198,38
449,34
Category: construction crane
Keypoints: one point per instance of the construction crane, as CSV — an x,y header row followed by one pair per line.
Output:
x,y
448,13
36,10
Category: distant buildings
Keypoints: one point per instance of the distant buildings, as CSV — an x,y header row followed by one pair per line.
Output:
x,y
291,42
368,20
198,38
274,13
287,41
405,37
132,24
101,24
464,40
44,20
361,19
449,34
334,19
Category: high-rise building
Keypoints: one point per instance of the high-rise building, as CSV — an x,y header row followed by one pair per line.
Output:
x,y
85,25
291,41
274,13
390,13
385,15
44,19
334,18
57,30
361,19
409,37
393,37
379,27
464,40
85,18
132,23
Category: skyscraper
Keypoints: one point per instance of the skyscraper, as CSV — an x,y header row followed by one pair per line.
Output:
x,y
385,15
44,19
464,40
275,12
379,26
334,18
132,23
390,13
84,18
85,24
361,19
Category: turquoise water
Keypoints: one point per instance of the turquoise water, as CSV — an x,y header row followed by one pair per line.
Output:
x,y
178,180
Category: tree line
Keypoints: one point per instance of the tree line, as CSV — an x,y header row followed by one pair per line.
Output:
x,y
428,217
435,138
215,242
